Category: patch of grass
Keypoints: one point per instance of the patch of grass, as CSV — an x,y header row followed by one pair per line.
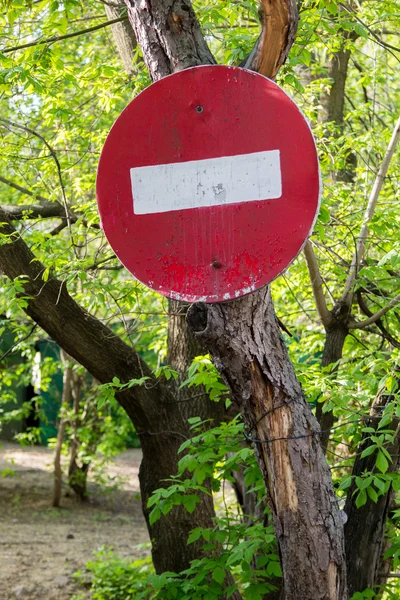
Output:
x,y
9,472
101,517
16,500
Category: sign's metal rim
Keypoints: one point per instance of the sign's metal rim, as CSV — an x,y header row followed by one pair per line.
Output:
x,y
229,296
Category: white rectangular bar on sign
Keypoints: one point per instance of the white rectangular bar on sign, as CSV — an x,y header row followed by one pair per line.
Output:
x,y
208,182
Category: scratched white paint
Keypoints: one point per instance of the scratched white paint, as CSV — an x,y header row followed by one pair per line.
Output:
x,y
208,182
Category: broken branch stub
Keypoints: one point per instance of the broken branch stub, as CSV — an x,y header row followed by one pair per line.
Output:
x,y
279,20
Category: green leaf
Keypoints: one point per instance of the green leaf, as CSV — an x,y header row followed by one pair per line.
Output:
x,y
379,484
274,569
346,483
218,575
368,451
194,535
381,462
189,502
262,561
396,483
154,515
324,215
361,498
361,30
332,8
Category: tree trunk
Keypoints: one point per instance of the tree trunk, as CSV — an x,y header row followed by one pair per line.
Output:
x,y
256,365
333,103
169,35
336,334
244,339
65,402
123,35
365,526
78,474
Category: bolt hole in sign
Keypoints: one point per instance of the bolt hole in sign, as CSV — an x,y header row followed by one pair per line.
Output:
x,y
208,184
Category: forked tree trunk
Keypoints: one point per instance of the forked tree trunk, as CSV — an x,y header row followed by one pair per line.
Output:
x,y
244,339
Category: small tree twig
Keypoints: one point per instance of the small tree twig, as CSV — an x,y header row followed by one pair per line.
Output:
x,y
23,190
63,37
18,342
386,335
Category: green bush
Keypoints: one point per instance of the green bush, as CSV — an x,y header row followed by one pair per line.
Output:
x,y
116,578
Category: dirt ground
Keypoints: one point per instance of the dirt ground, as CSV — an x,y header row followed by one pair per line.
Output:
x,y
40,546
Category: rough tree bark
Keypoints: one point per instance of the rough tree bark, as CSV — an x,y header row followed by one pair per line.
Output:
x,y
279,22
336,332
365,527
244,339
123,35
169,35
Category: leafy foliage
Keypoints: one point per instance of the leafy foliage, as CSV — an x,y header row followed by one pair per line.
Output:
x,y
114,578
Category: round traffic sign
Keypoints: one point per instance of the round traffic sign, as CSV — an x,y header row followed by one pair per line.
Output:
x,y
208,184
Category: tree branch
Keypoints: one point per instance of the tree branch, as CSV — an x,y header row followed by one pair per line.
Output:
x,y
317,282
369,213
57,162
18,342
385,334
23,190
376,37
279,22
376,316
63,37
45,210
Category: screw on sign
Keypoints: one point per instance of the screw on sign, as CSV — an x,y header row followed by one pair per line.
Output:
x,y
208,184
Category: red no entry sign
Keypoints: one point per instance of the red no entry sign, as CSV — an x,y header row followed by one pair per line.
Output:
x,y
208,184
